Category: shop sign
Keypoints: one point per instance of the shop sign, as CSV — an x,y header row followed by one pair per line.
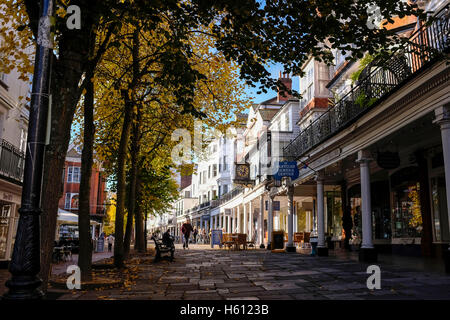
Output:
x,y
287,169
100,244
216,237
388,160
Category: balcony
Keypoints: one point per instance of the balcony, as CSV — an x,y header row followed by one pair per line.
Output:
x,y
378,81
12,162
230,195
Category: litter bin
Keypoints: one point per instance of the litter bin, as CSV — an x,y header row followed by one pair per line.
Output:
x,y
313,241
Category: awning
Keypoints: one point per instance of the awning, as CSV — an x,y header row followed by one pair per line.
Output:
x,y
66,217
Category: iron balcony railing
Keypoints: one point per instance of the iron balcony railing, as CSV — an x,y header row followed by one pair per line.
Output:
x,y
230,195
12,162
380,79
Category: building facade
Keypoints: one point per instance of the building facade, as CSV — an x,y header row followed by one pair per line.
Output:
x,y
71,189
14,114
371,141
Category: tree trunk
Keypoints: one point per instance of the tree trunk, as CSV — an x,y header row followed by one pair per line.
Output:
x,y
134,147
65,97
145,232
139,244
85,253
121,161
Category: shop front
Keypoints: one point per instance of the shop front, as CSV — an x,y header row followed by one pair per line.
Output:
x,y
9,216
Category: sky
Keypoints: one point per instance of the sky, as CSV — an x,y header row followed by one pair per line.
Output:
x,y
274,70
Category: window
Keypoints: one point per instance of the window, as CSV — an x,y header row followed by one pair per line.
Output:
x,y
204,176
187,194
225,188
286,121
224,163
214,170
71,201
209,172
23,140
73,174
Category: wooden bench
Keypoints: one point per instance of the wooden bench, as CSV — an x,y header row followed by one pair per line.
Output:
x,y
162,248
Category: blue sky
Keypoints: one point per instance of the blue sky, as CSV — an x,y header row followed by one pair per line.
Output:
x,y
274,70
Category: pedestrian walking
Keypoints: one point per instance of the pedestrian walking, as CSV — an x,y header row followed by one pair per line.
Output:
x,y
195,235
186,230
110,242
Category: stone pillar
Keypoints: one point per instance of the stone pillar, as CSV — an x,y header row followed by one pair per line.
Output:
x,y
250,221
270,223
290,244
261,222
322,249
245,220
367,252
238,219
442,117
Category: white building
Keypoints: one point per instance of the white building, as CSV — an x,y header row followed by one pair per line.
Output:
x,y
14,115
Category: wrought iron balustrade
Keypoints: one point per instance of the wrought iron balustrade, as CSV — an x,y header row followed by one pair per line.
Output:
x,y
380,78
12,162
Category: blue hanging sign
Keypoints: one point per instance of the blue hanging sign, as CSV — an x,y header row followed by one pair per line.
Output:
x,y
287,169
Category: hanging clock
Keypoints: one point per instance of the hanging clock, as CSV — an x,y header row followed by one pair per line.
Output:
x,y
242,171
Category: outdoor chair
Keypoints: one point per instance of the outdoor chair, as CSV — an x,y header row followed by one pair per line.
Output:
x,y
242,240
227,241
306,243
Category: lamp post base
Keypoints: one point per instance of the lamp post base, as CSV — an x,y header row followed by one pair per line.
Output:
x,y
23,288
322,251
268,246
262,246
368,255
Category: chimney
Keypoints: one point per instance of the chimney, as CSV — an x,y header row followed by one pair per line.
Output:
x,y
287,81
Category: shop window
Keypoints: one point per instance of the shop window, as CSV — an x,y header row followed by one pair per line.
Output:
x,y
5,212
406,209
439,203
334,214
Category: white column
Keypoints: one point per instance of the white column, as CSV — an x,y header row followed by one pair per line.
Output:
x,y
210,222
295,218
229,224
238,219
290,217
250,221
233,222
320,214
366,208
270,221
245,219
261,220
442,117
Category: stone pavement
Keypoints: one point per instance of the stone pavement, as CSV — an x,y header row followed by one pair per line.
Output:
x,y
202,273
59,268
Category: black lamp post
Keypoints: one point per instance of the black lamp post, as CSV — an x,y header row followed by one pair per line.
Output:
x,y
25,263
